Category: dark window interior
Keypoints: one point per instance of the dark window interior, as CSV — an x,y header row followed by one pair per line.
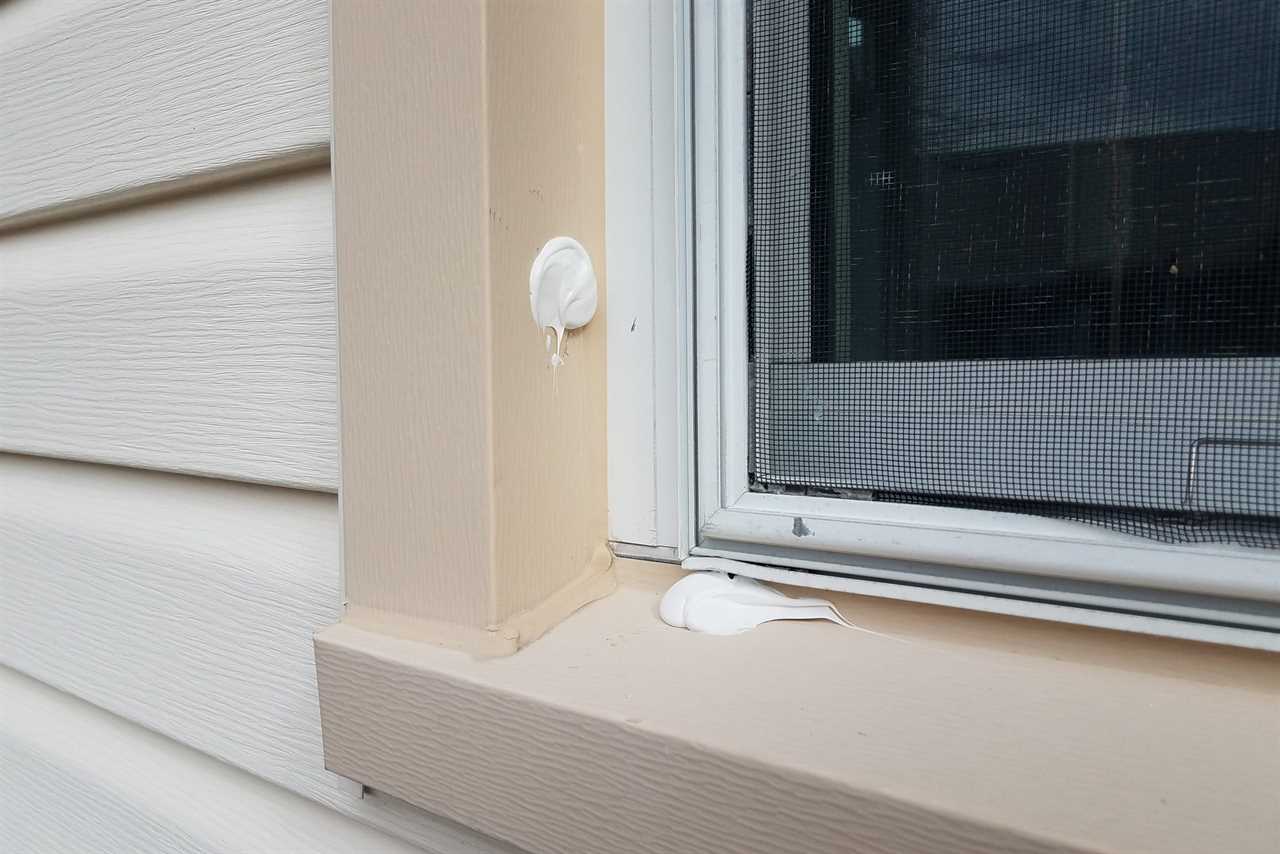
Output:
x,y
1044,180
1086,190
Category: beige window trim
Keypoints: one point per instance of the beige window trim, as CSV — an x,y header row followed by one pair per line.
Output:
x,y
473,496
473,504
972,733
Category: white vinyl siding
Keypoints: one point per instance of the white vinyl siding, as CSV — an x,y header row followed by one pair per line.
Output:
x,y
112,99
193,335
167,367
83,781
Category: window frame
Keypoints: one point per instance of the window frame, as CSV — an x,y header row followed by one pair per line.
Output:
x,y
974,558
649,264
410,717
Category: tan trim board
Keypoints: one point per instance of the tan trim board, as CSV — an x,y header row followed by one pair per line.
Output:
x,y
554,780
596,581
967,733
545,92
409,165
473,476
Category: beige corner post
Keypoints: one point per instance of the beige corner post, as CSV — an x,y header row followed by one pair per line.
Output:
x,y
466,135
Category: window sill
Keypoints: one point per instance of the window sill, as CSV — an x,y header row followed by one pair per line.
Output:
x,y
973,732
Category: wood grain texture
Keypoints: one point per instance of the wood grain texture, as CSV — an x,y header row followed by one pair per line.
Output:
x,y
195,335
545,77
411,221
186,605
473,476
115,98
961,733
530,772
78,779
20,19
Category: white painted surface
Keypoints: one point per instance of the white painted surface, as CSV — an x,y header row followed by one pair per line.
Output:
x,y
720,222
186,605
194,335
648,227
1010,542
121,97
1094,611
80,780
1002,555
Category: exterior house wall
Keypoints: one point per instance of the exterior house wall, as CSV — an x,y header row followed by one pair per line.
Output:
x,y
169,518
168,433
474,476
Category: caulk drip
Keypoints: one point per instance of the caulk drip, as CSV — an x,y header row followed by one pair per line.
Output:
x,y
556,359
562,291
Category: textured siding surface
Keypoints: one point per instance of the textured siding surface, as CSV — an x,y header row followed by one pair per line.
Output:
x,y
105,100
167,366
195,335
186,605
80,780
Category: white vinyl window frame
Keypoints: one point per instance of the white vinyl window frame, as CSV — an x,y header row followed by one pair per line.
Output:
x,y
673,495
649,257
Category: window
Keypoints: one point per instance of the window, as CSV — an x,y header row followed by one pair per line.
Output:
x,y
987,298
1019,259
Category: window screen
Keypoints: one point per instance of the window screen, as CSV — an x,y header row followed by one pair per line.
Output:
x,y
1019,256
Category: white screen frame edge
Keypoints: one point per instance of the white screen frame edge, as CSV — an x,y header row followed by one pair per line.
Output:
x,y
882,542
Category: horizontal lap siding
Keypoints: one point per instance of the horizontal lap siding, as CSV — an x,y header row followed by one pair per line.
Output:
x,y
187,605
122,98
193,335
78,779
167,304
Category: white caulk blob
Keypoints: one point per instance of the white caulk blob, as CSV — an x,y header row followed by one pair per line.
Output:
x,y
720,604
562,290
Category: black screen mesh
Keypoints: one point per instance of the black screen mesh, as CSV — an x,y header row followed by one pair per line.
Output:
x,y
1020,256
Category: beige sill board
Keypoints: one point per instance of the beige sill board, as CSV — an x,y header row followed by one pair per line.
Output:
x,y
979,733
